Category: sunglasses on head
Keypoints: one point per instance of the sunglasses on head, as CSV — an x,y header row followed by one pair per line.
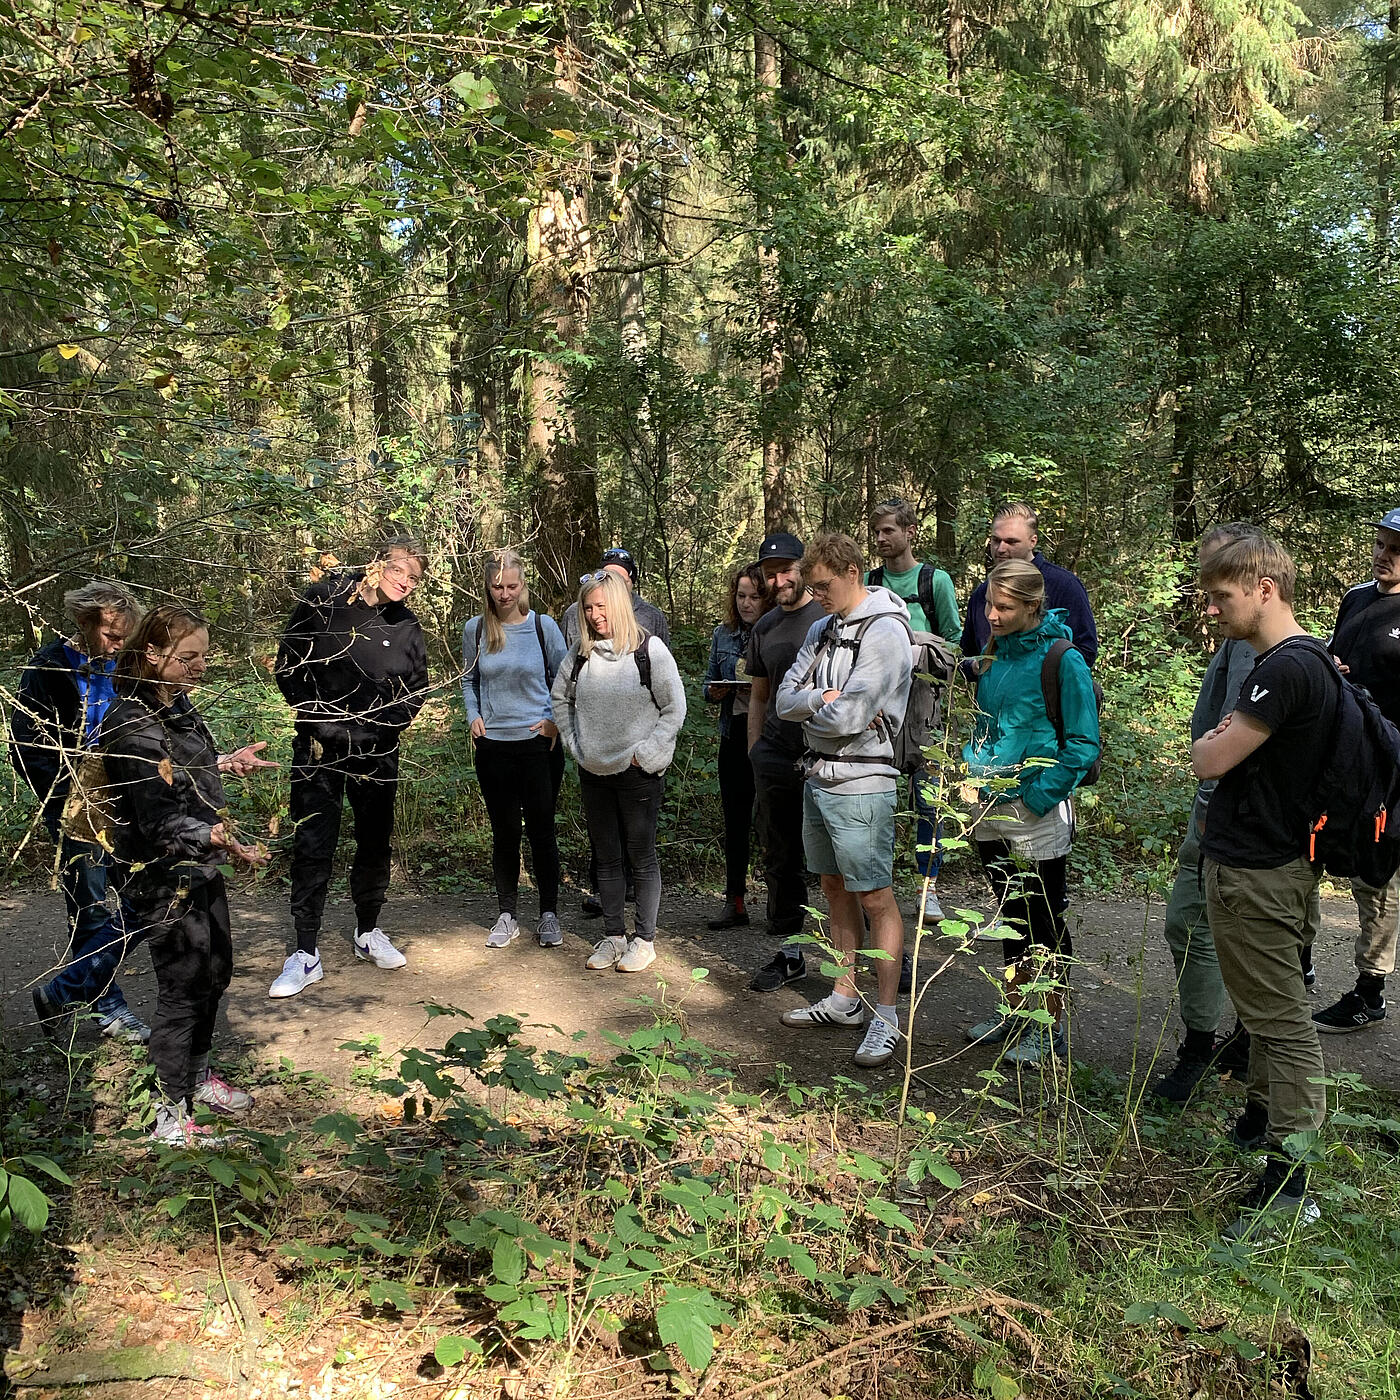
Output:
x,y
596,577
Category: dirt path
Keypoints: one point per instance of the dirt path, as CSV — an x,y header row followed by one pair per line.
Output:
x,y
1118,942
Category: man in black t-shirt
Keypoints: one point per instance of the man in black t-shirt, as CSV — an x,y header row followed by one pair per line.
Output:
x,y
775,749
1268,754
1366,644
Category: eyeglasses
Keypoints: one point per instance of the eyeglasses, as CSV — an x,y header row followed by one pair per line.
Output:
x,y
820,589
596,577
400,570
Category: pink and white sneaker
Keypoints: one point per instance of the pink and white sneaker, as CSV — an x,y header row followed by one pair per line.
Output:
x,y
220,1095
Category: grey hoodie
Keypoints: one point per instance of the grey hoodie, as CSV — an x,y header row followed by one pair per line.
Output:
x,y
614,718
877,685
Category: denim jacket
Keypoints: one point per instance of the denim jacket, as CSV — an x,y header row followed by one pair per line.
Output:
x,y
727,648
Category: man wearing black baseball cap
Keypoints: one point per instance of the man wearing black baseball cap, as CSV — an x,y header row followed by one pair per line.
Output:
x,y
775,747
1366,644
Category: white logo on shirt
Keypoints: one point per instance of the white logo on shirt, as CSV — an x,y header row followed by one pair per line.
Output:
x,y
1256,695
1395,631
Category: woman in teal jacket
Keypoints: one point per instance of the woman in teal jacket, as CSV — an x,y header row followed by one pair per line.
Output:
x,y
1029,771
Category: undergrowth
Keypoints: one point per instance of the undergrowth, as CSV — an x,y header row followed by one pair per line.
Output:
x,y
631,1218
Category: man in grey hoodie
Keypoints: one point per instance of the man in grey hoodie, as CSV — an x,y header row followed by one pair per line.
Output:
x,y
849,688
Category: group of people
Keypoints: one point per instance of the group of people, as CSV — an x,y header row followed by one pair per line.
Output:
x,y
811,671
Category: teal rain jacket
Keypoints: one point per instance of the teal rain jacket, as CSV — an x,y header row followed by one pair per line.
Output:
x,y
1012,725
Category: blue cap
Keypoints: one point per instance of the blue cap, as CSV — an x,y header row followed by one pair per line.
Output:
x,y
1389,521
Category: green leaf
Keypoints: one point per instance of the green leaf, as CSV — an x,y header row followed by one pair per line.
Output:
x,y
891,1215
392,1292
173,1205
220,1170
507,1260
685,1320
473,92
28,1204
452,1351
43,1164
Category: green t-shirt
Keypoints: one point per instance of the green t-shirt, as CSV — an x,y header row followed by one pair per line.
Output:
x,y
944,622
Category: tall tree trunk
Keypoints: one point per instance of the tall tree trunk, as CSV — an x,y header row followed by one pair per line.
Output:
x,y
779,501
378,350
1390,80
557,450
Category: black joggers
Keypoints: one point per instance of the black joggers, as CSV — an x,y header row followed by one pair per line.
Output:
x,y
622,810
1031,896
736,794
521,778
192,953
327,767
778,784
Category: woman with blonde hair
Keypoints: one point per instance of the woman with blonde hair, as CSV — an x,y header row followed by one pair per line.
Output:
x,y
511,654
619,704
1027,825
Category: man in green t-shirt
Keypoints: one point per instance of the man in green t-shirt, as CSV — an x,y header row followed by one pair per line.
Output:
x,y
928,593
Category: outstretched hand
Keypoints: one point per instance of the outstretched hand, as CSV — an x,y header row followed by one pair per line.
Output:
x,y
243,761
254,855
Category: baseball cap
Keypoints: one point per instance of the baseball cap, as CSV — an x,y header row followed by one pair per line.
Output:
x,y
618,555
1389,521
780,545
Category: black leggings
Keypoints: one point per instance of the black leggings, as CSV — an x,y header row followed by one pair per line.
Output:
x,y
736,795
622,810
192,952
1031,896
521,778
328,767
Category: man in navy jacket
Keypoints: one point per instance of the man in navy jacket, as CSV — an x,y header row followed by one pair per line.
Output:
x,y
1014,536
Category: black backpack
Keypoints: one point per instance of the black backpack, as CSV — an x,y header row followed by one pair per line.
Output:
x,y
923,589
1349,829
642,656
1050,689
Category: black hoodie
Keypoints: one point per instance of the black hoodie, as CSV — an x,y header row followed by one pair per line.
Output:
x,y
346,665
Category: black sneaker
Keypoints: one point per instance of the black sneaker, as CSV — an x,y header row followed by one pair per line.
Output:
x,y
1352,1013
592,907
734,916
1181,1081
1251,1129
1278,1200
781,970
1232,1054
52,1016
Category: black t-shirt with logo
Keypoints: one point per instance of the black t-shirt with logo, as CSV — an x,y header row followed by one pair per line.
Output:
x,y
1367,639
1258,818
776,639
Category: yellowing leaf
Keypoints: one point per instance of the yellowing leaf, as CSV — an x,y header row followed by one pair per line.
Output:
x,y
67,351
166,769
563,133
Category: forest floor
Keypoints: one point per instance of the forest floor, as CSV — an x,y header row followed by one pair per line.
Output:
x,y
124,1279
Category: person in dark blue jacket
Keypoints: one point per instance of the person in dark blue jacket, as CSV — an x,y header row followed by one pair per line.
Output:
x,y
727,685
1014,536
1028,772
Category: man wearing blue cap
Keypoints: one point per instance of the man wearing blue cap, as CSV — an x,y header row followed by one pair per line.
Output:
x,y
1366,644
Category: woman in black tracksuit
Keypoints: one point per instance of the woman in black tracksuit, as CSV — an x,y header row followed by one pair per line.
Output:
x,y
163,775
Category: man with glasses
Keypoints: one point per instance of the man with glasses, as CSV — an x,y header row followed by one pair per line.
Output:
x,y
617,561
354,667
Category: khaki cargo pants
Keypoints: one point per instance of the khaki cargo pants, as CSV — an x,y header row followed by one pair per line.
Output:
x,y
1258,919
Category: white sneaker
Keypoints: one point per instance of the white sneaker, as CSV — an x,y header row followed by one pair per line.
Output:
x,y
824,1013
375,947
878,1045
607,952
175,1128
298,972
220,1095
933,910
640,955
503,931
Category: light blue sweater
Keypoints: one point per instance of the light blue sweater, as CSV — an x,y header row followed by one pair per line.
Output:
x,y
514,689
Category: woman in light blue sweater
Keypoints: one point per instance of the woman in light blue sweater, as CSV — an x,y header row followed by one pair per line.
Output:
x,y
619,704
512,655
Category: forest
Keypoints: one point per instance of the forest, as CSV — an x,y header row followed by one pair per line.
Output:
x,y
278,280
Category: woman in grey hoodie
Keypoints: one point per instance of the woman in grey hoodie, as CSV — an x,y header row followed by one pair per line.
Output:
x,y
619,704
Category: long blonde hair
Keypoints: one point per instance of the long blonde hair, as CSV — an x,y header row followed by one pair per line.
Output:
x,y
503,561
617,598
1023,581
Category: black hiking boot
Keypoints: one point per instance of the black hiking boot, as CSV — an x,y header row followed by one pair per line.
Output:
x,y
1193,1064
734,916
1232,1053
1251,1129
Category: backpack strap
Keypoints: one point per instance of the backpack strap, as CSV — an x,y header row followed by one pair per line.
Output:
x,y
924,588
642,656
544,652
1050,685
876,577
476,664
